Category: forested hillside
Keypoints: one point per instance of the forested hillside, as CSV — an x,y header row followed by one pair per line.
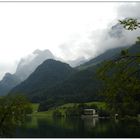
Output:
x,y
54,83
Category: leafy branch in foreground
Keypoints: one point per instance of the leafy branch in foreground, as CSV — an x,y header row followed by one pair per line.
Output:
x,y
131,24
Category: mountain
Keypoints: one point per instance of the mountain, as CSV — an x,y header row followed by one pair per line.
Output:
x,y
28,65
54,83
8,82
107,55
134,49
25,67
116,31
82,86
77,62
58,82
47,75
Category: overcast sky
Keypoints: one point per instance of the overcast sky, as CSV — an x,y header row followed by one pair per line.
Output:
x,y
68,30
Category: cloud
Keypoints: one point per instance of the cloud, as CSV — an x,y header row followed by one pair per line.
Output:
x,y
91,41
98,41
114,37
29,63
6,66
129,10
76,48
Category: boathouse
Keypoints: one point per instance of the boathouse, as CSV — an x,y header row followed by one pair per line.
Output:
x,y
89,111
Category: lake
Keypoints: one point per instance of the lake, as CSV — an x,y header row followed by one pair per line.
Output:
x,y
42,127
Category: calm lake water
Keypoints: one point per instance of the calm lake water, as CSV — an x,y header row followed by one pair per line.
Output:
x,y
41,127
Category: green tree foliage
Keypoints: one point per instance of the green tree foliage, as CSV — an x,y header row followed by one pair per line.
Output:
x,y
50,103
121,79
13,110
122,84
103,113
76,110
130,24
82,106
57,113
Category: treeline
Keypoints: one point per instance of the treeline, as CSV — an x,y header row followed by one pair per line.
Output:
x,y
78,109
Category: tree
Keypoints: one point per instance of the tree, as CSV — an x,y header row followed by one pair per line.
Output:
x,y
13,110
75,110
57,113
130,24
121,78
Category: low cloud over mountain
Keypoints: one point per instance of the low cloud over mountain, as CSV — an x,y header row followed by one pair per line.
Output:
x,y
25,67
98,41
28,64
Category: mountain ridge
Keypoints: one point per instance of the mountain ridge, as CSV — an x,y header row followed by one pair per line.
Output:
x,y
49,73
25,67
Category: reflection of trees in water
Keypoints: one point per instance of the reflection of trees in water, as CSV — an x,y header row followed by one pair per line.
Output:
x,y
7,130
77,127
57,122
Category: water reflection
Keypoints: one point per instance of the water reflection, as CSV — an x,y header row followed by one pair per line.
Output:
x,y
90,122
42,127
7,130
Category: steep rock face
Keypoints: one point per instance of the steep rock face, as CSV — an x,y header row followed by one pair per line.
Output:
x,y
8,82
28,65
25,67
47,75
